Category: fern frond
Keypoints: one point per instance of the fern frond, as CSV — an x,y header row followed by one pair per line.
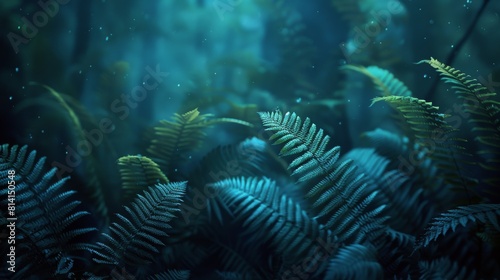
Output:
x,y
171,275
484,110
137,173
406,203
172,140
76,113
355,262
394,254
271,218
46,214
444,268
384,80
338,194
135,238
449,220
245,159
388,144
433,132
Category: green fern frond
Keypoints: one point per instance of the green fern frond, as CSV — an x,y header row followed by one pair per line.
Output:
x,y
136,237
172,140
269,217
137,173
484,110
384,80
45,213
338,194
449,220
433,132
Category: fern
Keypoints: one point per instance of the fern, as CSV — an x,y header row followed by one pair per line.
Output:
x,y
405,201
171,275
433,132
484,213
138,172
135,238
245,159
271,218
46,215
355,262
339,195
387,144
172,140
75,112
384,80
443,268
484,110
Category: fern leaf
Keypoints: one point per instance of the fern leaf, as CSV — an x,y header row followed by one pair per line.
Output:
x,y
355,262
338,194
172,140
135,238
245,159
272,218
484,213
137,173
484,110
75,111
45,211
433,132
384,80
443,268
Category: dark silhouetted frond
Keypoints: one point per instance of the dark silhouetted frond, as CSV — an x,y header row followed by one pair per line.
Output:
x,y
355,262
444,268
171,275
44,213
449,220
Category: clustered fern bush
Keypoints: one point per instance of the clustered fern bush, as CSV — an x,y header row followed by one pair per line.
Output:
x,y
239,214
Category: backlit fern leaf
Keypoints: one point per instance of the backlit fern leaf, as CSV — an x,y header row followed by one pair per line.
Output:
x,y
136,237
384,80
484,110
138,173
339,195
449,220
433,132
172,140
